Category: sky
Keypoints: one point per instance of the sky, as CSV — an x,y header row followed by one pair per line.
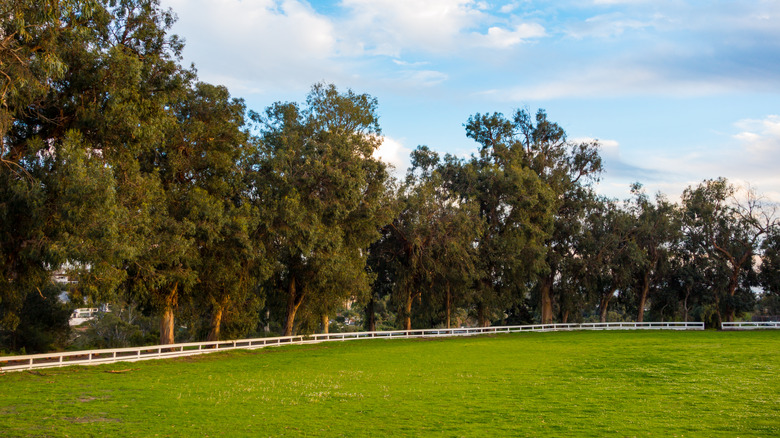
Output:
x,y
675,91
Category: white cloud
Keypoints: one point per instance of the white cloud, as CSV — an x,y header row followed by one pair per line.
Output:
x,y
751,159
447,49
388,27
270,43
760,137
756,160
410,64
619,2
607,26
741,17
391,27
423,78
497,37
619,78
411,75
609,148
276,46
394,153
509,7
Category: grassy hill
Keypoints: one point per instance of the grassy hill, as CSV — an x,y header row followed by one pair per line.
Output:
x,y
638,383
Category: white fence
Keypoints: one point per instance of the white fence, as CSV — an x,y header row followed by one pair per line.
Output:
x,y
132,354
750,325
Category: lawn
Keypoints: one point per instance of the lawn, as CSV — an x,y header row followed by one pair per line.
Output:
x,y
628,383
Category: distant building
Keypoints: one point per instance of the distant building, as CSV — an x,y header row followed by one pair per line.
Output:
x,y
61,276
84,314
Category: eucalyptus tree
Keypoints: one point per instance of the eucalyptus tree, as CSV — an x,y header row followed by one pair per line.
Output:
x,y
137,160
769,276
685,290
656,231
58,197
157,153
565,172
380,265
33,37
25,240
569,168
516,207
209,163
729,231
429,248
609,253
322,194
456,255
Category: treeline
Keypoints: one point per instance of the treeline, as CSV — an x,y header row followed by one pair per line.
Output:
x,y
165,196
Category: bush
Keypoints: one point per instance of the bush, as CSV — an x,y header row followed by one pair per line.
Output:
x,y
43,324
125,327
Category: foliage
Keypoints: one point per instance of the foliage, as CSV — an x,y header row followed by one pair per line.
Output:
x,y
516,206
429,248
126,326
657,229
608,253
323,195
728,232
43,324
769,276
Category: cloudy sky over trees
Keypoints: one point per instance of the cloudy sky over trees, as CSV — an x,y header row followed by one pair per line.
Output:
x,y
675,91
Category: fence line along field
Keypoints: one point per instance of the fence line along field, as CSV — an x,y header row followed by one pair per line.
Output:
x,y
637,383
131,354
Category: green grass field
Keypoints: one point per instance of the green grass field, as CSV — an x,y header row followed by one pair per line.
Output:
x,y
532,384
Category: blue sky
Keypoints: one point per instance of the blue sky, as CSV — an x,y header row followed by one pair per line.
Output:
x,y
675,91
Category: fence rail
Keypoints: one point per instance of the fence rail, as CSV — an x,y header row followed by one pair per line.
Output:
x,y
132,354
750,325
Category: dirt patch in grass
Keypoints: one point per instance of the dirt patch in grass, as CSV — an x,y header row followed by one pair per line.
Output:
x,y
8,410
92,419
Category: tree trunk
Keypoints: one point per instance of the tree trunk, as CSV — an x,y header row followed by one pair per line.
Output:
x,y
563,307
546,292
640,317
481,318
294,300
370,315
216,323
604,304
408,309
449,303
325,322
166,326
166,323
216,319
733,283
